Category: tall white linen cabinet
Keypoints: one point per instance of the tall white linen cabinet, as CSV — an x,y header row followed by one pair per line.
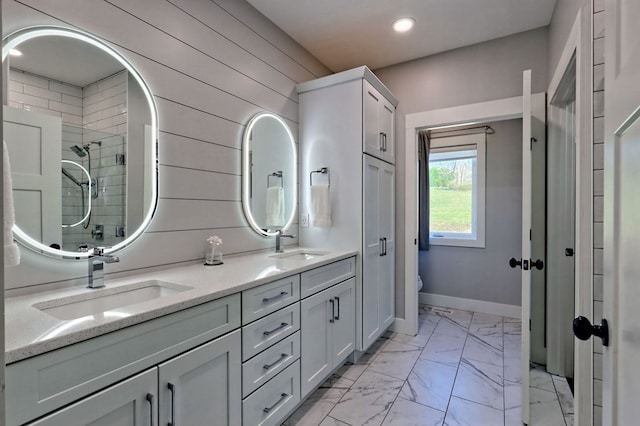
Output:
x,y
347,126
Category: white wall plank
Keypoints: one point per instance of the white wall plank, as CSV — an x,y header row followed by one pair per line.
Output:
x,y
168,18
245,37
186,152
177,182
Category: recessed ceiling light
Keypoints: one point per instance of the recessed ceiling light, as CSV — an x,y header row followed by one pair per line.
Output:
x,y
404,24
15,52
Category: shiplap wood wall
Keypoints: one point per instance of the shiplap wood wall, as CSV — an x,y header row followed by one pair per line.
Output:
x,y
211,65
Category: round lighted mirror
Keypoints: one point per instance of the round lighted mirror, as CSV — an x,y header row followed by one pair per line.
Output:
x,y
269,174
81,128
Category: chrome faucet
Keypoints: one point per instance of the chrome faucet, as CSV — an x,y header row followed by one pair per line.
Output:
x,y
279,235
97,259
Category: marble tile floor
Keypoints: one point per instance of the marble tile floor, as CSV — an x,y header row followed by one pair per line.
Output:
x,y
463,368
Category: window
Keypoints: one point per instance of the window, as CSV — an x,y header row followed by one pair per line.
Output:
x,y
456,191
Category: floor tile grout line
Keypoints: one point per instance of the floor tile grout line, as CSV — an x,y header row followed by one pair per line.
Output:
x,y
446,412
405,380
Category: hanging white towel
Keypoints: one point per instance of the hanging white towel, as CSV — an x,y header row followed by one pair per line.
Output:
x,y
11,250
320,206
275,206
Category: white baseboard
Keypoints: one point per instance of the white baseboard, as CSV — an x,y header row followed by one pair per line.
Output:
x,y
492,308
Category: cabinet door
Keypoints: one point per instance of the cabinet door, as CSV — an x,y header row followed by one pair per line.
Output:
x,y
343,329
315,340
386,117
371,250
131,402
202,386
372,143
387,233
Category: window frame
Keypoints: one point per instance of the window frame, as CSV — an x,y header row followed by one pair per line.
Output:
x,y
477,237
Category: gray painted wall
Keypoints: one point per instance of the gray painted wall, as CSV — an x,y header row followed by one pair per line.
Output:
x,y
483,273
478,73
211,65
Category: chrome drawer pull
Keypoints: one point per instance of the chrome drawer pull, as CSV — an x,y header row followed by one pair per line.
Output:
x,y
268,366
269,299
282,398
275,330
150,399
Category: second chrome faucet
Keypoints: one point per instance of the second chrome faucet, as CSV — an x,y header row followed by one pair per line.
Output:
x,y
279,235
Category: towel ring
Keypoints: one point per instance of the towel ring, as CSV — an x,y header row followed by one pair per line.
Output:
x,y
277,174
322,170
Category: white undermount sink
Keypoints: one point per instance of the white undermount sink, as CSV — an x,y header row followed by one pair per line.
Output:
x,y
96,302
299,254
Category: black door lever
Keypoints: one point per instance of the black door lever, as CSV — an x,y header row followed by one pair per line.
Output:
x,y
513,262
583,329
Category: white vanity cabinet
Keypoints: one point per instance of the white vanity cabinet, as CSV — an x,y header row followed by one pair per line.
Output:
x,y
328,333
377,123
194,388
202,385
131,402
270,351
42,384
327,311
347,126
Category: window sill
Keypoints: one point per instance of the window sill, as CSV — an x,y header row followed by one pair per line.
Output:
x,y
457,242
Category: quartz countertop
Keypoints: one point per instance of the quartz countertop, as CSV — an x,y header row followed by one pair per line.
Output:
x,y
29,331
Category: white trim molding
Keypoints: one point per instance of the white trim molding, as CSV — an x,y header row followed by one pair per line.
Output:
x,y
579,43
481,306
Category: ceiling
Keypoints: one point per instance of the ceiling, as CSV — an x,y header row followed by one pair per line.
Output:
x,y
65,59
345,34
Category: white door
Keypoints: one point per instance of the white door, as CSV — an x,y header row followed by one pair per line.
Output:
x,y
315,340
526,242
132,402
621,384
386,119
371,99
34,145
387,233
202,386
372,250
343,328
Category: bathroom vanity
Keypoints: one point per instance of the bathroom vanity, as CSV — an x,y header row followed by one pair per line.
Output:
x,y
241,343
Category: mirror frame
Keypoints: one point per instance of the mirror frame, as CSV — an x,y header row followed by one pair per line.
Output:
x,y
246,166
13,40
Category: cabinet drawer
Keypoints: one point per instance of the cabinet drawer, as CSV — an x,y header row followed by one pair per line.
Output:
x,y
261,334
41,384
265,299
269,405
259,369
324,277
